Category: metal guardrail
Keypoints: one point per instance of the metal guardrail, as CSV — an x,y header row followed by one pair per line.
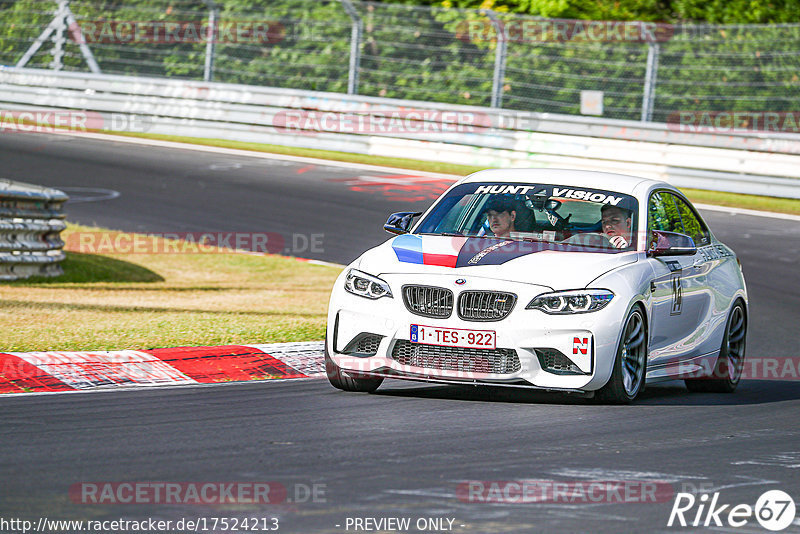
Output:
x,y
628,69
203,100
31,221
739,161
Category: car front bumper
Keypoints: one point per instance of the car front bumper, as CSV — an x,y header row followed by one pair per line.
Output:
x,y
531,340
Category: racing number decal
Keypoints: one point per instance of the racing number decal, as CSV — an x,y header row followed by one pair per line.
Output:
x,y
580,345
677,294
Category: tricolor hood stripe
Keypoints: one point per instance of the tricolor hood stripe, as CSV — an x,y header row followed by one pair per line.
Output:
x,y
408,248
443,260
442,251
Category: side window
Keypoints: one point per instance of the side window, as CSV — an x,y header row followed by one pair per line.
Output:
x,y
692,225
662,214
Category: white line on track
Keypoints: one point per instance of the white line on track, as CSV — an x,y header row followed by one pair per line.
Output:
x,y
743,211
254,154
361,166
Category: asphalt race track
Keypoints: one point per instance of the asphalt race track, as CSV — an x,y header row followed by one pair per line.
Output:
x,y
403,451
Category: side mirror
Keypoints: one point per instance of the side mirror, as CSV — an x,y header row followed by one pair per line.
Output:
x,y
399,223
671,244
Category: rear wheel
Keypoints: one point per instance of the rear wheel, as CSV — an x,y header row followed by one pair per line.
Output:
x,y
341,380
630,365
728,369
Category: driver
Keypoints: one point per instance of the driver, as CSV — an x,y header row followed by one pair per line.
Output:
x,y
501,214
617,225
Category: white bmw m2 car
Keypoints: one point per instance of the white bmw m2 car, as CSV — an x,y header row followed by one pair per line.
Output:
x,y
558,280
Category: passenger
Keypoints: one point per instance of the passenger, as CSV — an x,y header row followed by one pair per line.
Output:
x,y
617,225
501,214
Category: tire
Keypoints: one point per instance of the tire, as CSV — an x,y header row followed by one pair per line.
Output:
x,y
728,369
630,365
341,380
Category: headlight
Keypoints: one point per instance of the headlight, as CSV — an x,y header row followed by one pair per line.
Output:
x,y
578,301
366,285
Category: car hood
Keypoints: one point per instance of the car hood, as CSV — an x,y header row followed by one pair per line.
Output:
x,y
548,264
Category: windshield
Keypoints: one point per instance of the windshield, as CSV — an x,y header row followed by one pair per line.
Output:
x,y
587,218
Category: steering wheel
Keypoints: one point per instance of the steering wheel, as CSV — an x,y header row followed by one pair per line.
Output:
x,y
591,239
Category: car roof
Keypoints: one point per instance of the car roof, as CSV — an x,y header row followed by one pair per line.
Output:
x,y
590,179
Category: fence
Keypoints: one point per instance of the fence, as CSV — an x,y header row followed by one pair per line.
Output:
x,y
646,72
743,162
31,221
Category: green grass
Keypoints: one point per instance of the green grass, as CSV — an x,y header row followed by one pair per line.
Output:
x,y
138,301
89,268
754,202
736,200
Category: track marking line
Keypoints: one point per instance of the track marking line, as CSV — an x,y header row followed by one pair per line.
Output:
x,y
364,166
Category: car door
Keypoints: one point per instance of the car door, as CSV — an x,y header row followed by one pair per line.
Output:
x,y
721,274
680,296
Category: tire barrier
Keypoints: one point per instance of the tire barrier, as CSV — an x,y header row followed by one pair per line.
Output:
x,y
31,221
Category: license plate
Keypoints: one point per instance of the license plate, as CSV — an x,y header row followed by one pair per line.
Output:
x,y
453,337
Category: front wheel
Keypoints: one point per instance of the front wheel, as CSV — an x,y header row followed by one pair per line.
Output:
x,y
630,365
341,380
728,369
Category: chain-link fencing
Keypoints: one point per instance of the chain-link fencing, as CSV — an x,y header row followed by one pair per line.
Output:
x,y
645,71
